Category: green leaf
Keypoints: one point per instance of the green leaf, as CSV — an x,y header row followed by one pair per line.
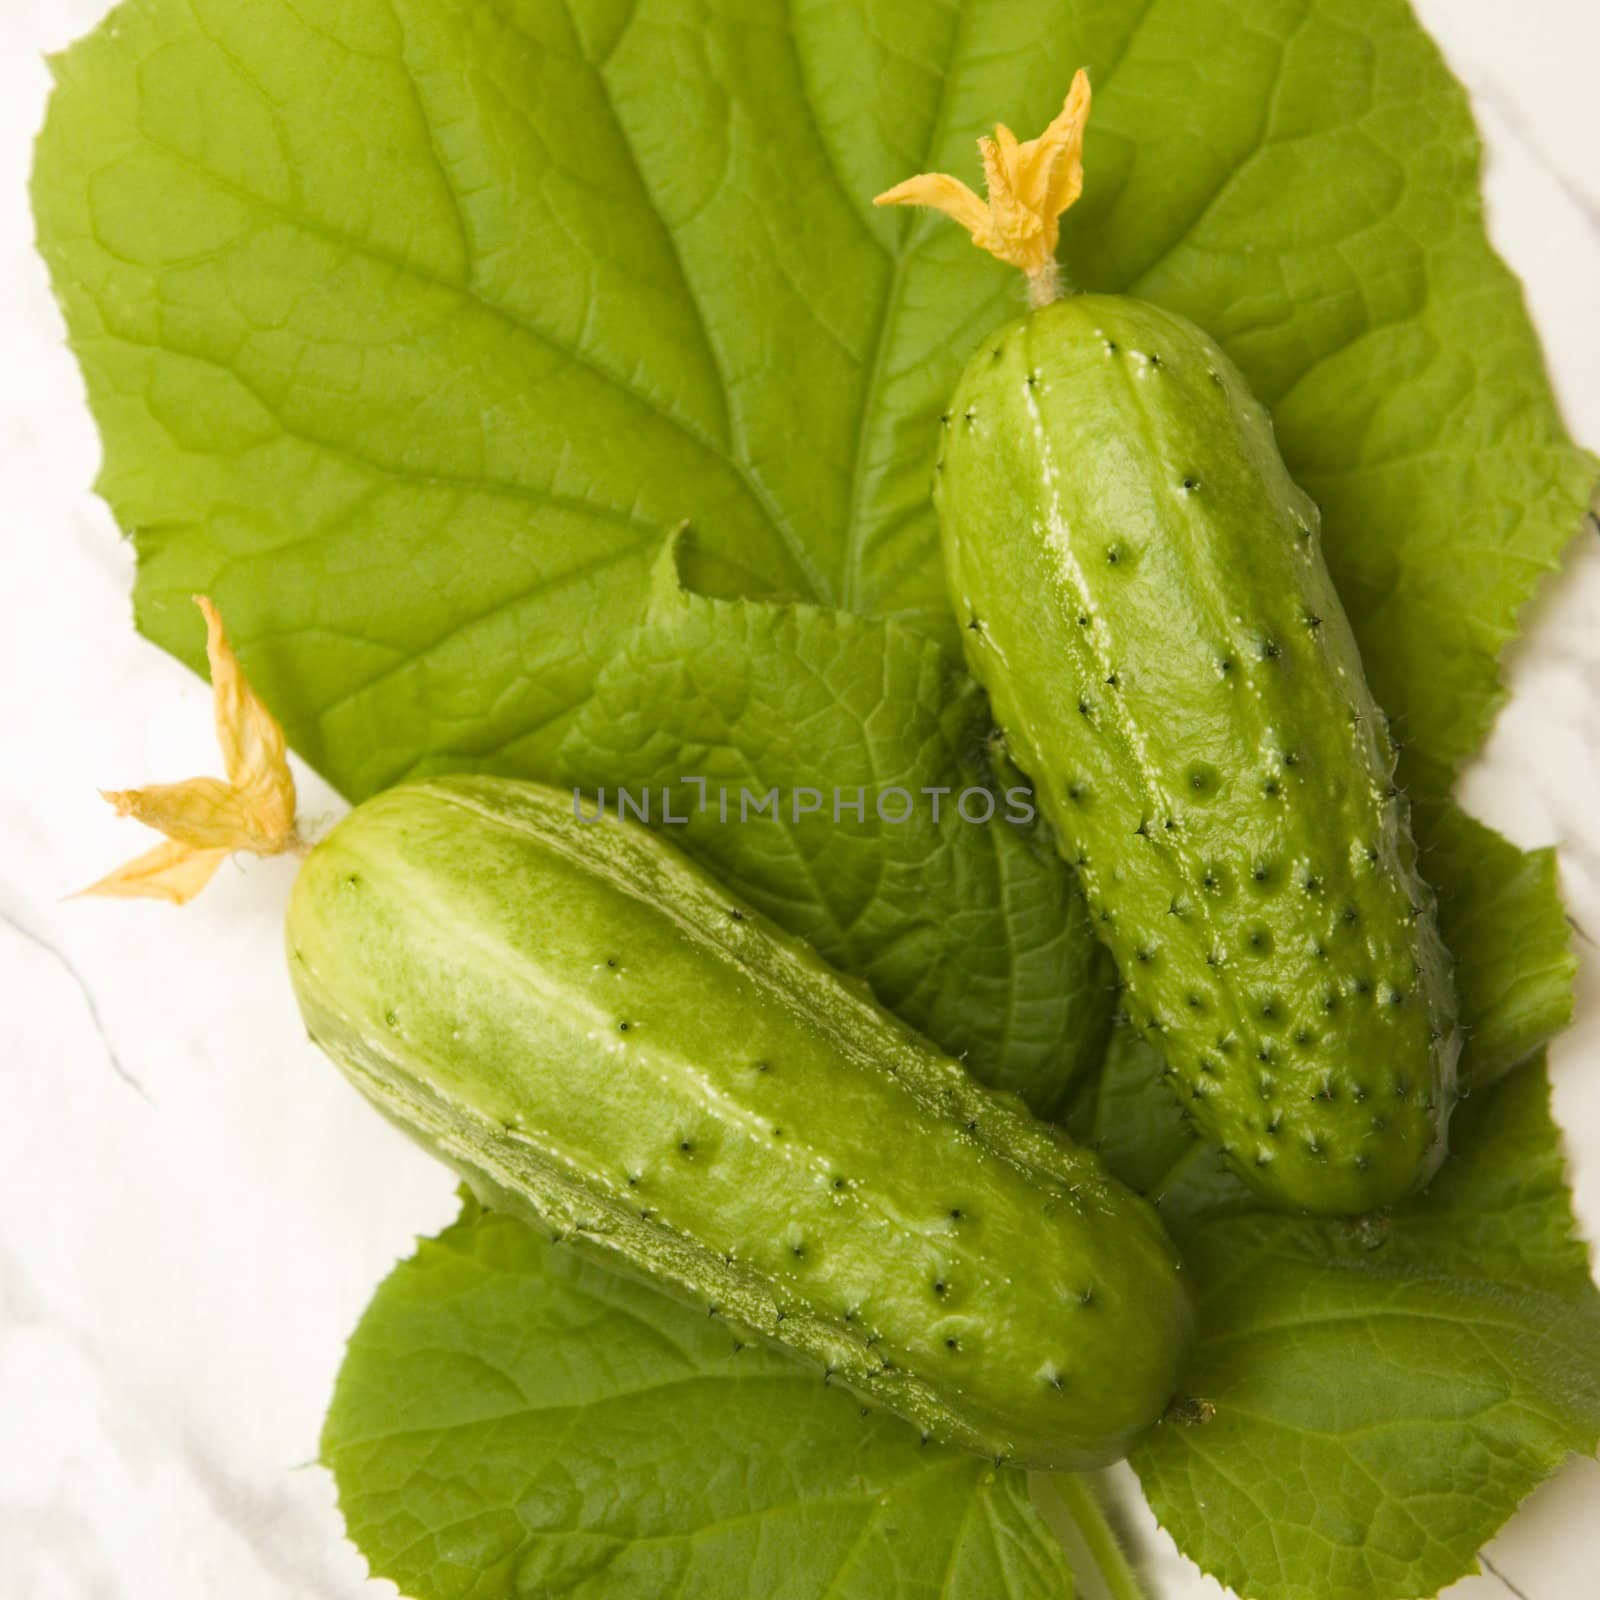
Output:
x,y
412,325
1124,1112
510,1422
1501,914
1386,1390
974,933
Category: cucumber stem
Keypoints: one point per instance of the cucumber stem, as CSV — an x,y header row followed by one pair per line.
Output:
x,y
1082,1504
1044,286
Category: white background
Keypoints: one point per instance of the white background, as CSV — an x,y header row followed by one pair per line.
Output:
x,y
194,1208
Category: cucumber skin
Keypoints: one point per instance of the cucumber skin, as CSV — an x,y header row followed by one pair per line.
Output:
x,y
762,1139
1145,599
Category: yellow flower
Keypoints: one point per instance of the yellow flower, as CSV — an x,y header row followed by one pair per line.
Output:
x,y
1029,186
206,819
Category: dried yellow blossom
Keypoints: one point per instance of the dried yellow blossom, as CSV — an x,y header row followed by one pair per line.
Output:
x,y
1029,185
207,819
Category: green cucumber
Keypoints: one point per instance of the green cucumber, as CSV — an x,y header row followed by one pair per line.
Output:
x,y
1144,597
597,1035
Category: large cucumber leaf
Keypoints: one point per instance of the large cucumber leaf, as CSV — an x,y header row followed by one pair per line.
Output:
x,y
411,325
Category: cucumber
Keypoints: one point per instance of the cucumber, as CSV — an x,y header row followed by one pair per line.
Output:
x,y
596,1035
1144,597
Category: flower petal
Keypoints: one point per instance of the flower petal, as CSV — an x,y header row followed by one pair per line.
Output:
x,y
251,740
1028,187
205,813
173,872
943,193
1052,176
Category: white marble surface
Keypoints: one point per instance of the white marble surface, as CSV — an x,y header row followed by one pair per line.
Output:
x,y
193,1207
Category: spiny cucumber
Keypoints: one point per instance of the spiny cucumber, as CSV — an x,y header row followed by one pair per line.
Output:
x,y
596,1034
1142,592
1145,600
